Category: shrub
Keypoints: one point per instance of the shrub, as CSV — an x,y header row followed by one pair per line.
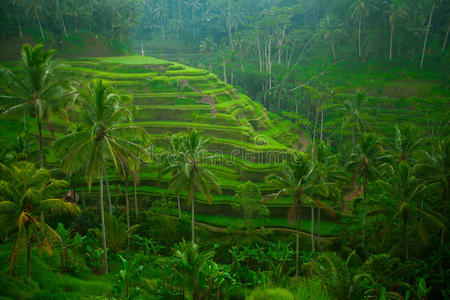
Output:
x,y
270,294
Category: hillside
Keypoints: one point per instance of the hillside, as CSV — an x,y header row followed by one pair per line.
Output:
x,y
172,97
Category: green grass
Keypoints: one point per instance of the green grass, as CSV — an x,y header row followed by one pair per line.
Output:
x,y
326,228
111,75
135,60
191,125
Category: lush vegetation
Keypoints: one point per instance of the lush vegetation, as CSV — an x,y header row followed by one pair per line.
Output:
x,y
135,177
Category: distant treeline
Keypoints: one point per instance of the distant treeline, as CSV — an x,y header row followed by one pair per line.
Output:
x,y
258,44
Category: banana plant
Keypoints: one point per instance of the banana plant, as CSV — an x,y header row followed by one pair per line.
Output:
x,y
128,278
68,241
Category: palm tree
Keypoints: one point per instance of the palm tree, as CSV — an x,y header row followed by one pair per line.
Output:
x,y
39,90
404,187
435,169
364,161
361,8
330,31
104,136
23,195
396,10
404,144
189,173
355,113
338,276
433,5
329,172
35,8
18,5
297,180
190,264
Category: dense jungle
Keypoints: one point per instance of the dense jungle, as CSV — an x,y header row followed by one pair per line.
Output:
x,y
224,149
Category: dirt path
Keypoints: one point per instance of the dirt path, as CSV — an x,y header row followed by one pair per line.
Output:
x,y
218,229
349,198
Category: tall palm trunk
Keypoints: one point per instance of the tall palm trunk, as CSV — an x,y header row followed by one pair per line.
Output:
x,y
127,210
445,39
333,52
61,18
426,35
20,26
102,217
108,192
313,248
224,70
359,35
405,236
40,26
318,229
179,205
28,254
364,216
390,42
41,154
136,209
192,214
297,244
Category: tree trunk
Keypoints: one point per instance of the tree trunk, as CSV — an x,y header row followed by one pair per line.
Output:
x,y
102,217
405,237
83,200
390,42
20,26
333,52
179,205
108,193
445,39
313,248
359,35
61,18
230,34
297,244
127,210
224,70
136,209
364,217
319,247
41,154
426,36
40,27
28,254
192,214
321,122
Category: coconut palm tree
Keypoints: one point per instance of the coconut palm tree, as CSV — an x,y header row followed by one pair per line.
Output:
x,y
39,91
341,280
435,170
329,172
404,187
360,9
433,6
405,144
189,173
191,264
355,113
25,192
298,180
105,135
364,161
35,9
397,11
